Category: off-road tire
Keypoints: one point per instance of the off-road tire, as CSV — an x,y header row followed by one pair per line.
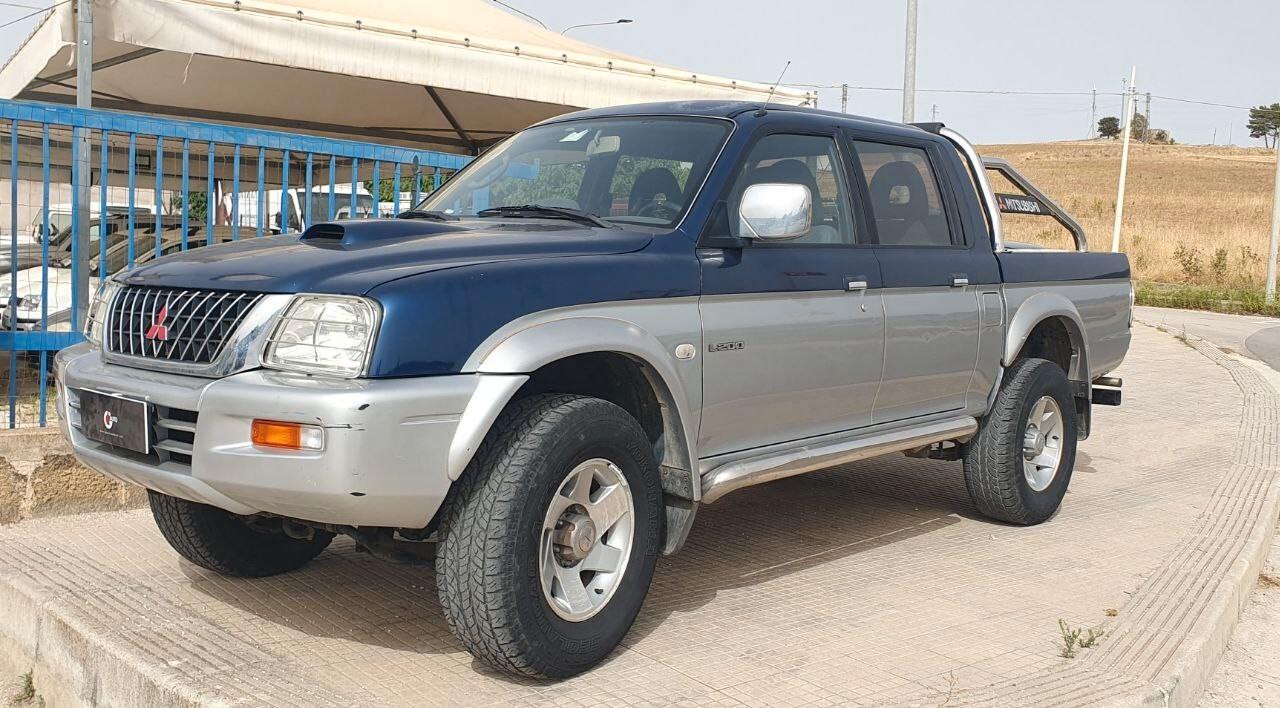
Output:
x,y
222,542
487,563
993,469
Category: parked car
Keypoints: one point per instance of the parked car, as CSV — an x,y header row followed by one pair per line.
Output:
x,y
36,289
598,326
60,216
59,248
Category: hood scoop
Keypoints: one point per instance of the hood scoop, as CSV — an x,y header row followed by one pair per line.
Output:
x,y
360,233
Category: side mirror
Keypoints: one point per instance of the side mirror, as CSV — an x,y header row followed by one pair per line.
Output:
x,y
775,212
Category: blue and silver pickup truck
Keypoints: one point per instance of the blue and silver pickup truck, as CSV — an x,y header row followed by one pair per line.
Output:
x,y
536,377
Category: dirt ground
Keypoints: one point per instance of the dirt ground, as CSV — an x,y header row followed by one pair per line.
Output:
x,y
1249,674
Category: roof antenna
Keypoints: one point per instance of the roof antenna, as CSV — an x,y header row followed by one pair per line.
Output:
x,y
760,112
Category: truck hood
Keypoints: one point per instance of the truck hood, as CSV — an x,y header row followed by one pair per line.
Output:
x,y
353,257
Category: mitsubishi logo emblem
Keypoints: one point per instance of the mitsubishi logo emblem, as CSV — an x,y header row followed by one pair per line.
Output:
x,y
158,331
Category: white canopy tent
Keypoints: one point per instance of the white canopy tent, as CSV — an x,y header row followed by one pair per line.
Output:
x,y
452,75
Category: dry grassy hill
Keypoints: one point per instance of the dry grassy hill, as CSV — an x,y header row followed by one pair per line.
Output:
x,y
1193,214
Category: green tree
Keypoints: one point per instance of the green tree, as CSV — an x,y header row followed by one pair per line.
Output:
x,y
386,192
1138,127
198,203
1264,122
1109,127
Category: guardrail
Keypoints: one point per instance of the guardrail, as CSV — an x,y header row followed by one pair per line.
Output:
x,y
156,186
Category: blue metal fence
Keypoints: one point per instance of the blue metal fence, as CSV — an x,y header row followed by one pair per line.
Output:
x,y
294,179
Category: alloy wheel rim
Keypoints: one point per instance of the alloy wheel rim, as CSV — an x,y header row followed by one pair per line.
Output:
x,y
1042,444
587,534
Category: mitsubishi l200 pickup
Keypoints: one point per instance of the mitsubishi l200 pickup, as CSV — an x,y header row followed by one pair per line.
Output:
x,y
537,376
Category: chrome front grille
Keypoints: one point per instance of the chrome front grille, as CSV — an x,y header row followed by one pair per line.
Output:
x,y
173,324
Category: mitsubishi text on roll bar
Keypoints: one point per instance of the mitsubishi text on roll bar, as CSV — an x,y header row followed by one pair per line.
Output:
x,y
1031,202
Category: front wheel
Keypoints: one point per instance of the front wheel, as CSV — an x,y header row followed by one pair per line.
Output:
x,y
1018,466
242,547
549,539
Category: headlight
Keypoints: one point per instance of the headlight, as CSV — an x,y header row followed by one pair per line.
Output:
x,y
324,334
98,311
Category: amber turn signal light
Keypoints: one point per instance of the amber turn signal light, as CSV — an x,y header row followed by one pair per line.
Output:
x,y
289,436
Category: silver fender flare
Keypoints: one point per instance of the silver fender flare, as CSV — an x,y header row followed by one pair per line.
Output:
x,y
504,362
1038,308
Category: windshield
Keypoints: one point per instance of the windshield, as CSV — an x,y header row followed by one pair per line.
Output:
x,y
627,170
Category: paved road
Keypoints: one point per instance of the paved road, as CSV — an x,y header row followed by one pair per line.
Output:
x,y
1254,336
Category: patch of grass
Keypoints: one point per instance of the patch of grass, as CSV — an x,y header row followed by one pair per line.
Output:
x,y
1076,639
27,691
1231,300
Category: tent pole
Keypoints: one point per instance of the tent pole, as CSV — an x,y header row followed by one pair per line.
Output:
x,y
453,122
83,148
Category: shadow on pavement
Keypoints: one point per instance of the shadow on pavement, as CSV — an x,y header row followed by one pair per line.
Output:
x,y
753,537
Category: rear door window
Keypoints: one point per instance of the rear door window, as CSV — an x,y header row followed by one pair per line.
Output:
x,y
906,203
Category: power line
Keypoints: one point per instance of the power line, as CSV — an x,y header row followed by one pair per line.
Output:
x,y
1018,92
522,12
33,14
1002,92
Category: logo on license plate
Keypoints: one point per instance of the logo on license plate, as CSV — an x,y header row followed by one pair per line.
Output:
x,y
109,419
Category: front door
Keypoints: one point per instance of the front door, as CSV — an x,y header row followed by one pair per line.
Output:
x,y
931,304
794,330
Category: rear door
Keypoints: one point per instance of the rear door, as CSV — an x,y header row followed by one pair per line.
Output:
x,y
930,299
794,329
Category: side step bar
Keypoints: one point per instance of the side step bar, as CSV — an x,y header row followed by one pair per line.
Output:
x,y
809,458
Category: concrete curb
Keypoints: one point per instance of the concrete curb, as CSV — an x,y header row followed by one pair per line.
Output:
x,y
40,478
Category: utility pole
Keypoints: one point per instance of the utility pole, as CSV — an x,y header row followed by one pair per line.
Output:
x,y
933,114
1146,128
1093,115
844,98
82,150
1275,232
1124,96
909,68
1130,104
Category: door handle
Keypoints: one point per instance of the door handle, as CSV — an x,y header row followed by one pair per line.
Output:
x,y
959,280
855,283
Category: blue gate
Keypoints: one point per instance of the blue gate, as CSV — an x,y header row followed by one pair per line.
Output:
x,y
157,186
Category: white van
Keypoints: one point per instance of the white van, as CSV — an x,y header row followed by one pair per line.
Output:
x,y
247,215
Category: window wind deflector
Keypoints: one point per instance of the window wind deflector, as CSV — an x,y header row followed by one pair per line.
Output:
x,y
538,211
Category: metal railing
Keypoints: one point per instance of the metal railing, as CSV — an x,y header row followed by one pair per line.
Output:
x,y
157,186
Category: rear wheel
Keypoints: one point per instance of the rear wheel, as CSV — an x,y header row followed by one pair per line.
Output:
x,y
1018,466
228,544
549,539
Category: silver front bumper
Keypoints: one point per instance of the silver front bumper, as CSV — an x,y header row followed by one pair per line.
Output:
x,y
385,458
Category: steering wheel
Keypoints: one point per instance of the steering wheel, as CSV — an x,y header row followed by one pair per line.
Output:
x,y
661,210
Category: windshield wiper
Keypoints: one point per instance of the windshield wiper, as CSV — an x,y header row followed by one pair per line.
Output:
x,y
539,211
424,214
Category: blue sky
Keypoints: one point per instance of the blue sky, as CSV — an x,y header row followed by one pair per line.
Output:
x,y
1223,51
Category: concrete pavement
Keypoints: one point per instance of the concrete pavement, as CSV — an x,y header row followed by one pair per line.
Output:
x,y
871,584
